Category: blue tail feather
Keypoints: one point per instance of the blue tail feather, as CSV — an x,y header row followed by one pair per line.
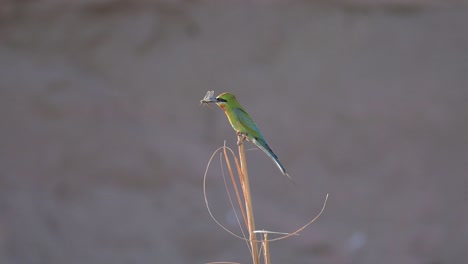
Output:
x,y
261,144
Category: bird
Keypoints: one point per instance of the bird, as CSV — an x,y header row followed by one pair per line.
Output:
x,y
243,124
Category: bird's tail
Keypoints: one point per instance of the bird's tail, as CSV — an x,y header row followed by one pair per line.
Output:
x,y
261,144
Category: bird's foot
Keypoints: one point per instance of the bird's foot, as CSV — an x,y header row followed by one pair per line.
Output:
x,y
241,137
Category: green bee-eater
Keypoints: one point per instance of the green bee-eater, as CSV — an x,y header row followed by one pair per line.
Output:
x,y
242,123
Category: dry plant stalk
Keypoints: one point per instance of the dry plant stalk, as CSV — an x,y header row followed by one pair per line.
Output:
x,y
247,211
244,180
266,248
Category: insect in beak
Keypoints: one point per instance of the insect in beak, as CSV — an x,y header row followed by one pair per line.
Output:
x,y
208,99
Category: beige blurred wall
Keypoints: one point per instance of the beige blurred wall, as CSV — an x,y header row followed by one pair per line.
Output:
x,y
103,144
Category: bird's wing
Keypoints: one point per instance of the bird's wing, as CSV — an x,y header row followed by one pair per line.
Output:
x,y
256,137
247,122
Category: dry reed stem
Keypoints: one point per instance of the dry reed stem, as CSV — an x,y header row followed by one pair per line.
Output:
x,y
234,184
248,214
266,249
206,198
244,180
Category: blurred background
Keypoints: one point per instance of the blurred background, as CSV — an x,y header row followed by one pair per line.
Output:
x,y
103,143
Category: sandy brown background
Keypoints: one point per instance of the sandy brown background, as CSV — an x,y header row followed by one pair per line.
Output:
x,y
103,144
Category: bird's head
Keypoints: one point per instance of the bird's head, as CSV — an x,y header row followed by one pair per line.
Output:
x,y
221,100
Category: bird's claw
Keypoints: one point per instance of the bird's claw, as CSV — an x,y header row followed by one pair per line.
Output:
x,y
240,137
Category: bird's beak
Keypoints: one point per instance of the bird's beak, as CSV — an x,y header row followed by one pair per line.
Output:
x,y
209,98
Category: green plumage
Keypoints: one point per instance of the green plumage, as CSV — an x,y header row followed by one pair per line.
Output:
x,y
242,123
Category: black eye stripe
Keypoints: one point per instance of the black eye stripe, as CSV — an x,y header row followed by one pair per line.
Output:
x,y
221,100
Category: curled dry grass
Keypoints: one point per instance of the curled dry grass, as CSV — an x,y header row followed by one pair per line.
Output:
x,y
245,205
